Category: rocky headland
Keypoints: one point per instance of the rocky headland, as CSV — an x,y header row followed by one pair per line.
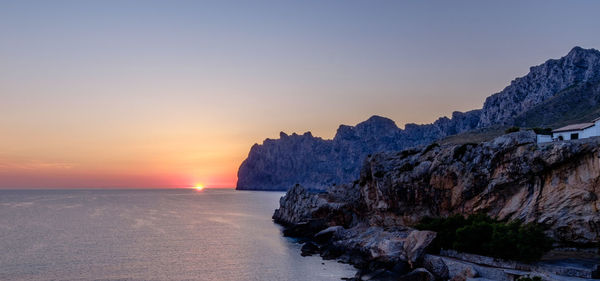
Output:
x,y
552,94
370,222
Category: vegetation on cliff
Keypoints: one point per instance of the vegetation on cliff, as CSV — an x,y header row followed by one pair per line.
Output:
x,y
482,235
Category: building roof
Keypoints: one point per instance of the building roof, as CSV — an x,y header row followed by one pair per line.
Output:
x,y
574,127
596,119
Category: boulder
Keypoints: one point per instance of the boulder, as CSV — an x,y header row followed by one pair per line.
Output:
x,y
309,249
328,233
297,206
416,243
436,266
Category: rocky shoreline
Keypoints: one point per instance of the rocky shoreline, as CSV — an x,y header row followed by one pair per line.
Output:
x,y
369,223
376,252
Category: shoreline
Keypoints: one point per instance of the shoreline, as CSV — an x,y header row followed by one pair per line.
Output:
x,y
426,266
368,223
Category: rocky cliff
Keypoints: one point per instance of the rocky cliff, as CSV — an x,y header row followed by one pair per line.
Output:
x,y
316,163
542,82
510,178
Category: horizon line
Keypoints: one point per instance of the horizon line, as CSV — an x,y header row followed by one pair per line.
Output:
x,y
108,188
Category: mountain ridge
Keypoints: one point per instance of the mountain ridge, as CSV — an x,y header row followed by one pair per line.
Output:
x,y
316,163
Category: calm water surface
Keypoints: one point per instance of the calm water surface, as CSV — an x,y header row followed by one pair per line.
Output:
x,y
150,235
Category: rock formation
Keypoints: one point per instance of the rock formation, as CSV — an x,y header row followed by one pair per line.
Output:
x,y
510,178
315,163
541,83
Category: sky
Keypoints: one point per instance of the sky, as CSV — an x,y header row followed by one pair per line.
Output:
x,y
165,94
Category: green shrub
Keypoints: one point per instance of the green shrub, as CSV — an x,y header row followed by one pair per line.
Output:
x,y
474,238
445,228
512,130
542,131
482,235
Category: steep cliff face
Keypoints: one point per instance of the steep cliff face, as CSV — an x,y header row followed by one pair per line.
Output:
x,y
530,100
286,161
541,83
511,177
576,104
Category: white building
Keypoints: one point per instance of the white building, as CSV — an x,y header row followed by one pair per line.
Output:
x,y
578,131
573,132
544,138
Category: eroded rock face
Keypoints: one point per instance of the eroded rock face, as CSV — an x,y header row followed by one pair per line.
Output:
x,y
280,164
306,214
298,206
542,82
511,177
368,223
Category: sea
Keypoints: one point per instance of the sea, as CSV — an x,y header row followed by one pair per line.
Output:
x,y
170,234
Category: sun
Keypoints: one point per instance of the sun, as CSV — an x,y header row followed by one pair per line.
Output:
x,y
199,187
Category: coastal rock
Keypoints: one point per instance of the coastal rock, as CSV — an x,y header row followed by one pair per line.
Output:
x,y
437,266
328,233
461,271
511,177
307,213
369,223
350,238
376,243
416,243
309,249
298,206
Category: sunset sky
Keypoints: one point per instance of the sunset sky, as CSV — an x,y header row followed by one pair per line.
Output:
x,y
174,93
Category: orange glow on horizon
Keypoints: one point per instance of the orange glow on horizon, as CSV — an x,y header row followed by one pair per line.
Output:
x,y
199,187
